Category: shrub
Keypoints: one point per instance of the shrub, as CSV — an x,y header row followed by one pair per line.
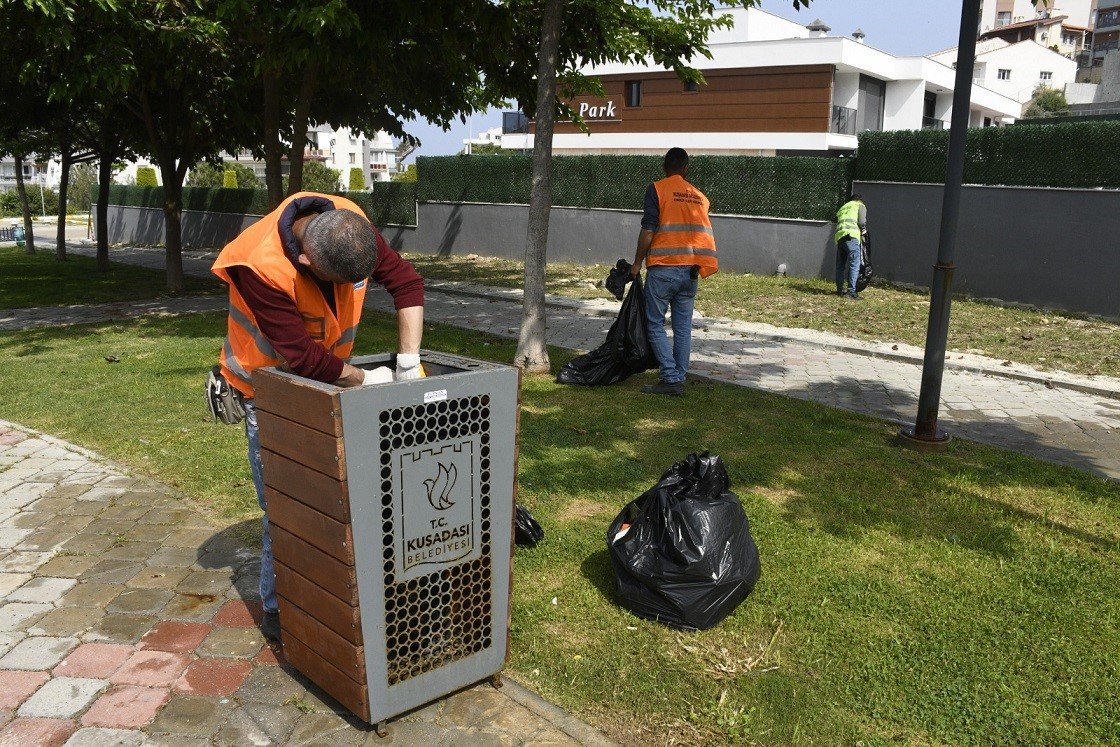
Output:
x,y
318,177
213,176
357,179
83,182
229,179
146,177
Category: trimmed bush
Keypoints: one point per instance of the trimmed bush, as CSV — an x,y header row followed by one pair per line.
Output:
x,y
1075,155
146,177
357,179
782,187
229,179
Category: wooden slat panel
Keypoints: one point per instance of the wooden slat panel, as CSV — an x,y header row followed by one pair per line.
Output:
x,y
304,403
309,447
317,669
341,653
318,530
815,124
315,565
326,608
744,112
728,98
321,492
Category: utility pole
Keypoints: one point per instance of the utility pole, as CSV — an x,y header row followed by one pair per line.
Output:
x,y
925,433
42,198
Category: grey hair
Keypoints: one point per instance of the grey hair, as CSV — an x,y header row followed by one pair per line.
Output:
x,y
343,243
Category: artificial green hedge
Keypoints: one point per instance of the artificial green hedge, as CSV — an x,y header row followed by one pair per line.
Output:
x,y
781,187
386,203
1076,155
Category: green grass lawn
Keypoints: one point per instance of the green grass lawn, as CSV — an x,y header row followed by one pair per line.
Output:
x,y
966,598
888,313
41,280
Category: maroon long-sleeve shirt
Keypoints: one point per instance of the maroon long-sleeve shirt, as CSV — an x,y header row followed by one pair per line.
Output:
x,y
279,320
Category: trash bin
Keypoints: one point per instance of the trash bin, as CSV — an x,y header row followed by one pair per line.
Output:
x,y
20,236
391,513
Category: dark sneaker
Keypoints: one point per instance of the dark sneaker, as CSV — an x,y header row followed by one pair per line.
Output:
x,y
673,390
855,296
270,626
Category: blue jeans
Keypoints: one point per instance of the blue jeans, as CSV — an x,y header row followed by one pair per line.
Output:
x,y
670,287
847,257
268,573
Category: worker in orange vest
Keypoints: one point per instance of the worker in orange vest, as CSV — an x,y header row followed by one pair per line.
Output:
x,y
678,246
297,279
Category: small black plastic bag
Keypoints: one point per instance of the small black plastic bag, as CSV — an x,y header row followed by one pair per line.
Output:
x,y
527,531
866,271
682,552
618,277
625,352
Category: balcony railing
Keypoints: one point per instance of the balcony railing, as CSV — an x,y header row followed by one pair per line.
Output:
x,y
932,123
843,120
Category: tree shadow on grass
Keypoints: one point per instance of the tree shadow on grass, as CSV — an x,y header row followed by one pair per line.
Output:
x,y
842,474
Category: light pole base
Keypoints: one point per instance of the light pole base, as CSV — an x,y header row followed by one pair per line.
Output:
x,y
939,443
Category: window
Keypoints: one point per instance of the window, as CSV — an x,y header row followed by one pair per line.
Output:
x,y
352,161
1045,75
691,86
1003,18
633,93
1004,74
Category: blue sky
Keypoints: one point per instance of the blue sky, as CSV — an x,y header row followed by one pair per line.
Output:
x,y
903,27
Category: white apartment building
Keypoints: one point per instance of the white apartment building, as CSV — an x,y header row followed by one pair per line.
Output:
x,y
772,87
1016,70
344,149
492,136
996,14
35,173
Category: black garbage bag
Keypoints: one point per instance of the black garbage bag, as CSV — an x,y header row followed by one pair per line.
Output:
x,y
527,532
625,352
682,552
866,271
618,277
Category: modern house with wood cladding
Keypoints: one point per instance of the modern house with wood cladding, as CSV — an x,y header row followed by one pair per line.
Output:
x,y
772,87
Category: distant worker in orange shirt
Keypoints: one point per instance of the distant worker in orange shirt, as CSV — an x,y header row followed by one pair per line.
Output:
x,y
677,245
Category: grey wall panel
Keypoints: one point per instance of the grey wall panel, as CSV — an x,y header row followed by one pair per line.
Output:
x,y
136,225
755,245
1054,248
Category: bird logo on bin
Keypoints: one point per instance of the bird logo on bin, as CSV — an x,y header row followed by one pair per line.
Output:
x,y
439,487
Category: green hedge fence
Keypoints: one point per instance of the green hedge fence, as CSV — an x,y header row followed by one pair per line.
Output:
x,y
781,187
386,203
1076,155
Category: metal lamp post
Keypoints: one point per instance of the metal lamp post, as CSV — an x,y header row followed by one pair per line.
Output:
x,y
925,433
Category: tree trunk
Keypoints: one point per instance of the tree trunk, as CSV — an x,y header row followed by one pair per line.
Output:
x,y
24,205
299,128
104,179
532,347
273,151
173,223
63,185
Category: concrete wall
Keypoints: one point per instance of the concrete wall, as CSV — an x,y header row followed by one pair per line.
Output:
x,y
756,245
1053,248
136,225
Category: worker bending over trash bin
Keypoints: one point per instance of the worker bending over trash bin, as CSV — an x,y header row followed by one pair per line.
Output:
x,y
297,279
678,246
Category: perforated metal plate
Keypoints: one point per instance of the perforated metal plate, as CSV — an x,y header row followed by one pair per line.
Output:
x,y
430,472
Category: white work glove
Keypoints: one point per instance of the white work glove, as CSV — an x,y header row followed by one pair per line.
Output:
x,y
408,367
379,375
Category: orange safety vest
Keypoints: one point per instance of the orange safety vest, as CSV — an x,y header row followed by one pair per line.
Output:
x,y
260,249
684,233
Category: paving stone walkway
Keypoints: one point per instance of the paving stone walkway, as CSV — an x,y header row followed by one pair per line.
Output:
x,y
1060,418
127,618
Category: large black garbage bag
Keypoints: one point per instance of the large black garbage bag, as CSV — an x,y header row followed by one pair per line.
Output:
x,y
625,353
682,552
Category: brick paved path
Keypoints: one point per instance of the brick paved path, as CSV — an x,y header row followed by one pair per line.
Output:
x,y
126,618
1055,423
